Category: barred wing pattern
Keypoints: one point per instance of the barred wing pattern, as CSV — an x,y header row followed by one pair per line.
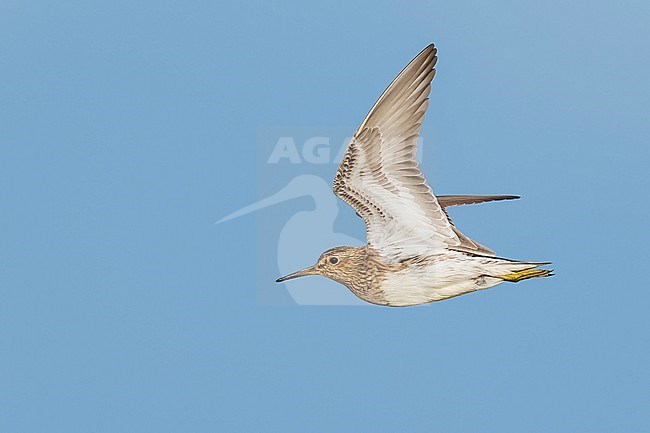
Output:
x,y
380,178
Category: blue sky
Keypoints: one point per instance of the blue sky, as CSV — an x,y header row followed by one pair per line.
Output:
x,y
127,129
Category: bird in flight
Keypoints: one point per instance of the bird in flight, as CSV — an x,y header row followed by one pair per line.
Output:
x,y
413,254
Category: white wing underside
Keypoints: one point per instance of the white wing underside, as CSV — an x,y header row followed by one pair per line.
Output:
x,y
380,178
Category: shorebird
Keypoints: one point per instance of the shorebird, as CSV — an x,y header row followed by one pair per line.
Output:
x,y
294,242
413,254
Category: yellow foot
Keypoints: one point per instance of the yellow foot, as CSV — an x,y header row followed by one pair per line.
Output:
x,y
524,275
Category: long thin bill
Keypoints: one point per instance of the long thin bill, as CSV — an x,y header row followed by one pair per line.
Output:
x,y
307,271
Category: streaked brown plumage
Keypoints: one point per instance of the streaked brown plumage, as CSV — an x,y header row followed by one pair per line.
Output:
x,y
414,254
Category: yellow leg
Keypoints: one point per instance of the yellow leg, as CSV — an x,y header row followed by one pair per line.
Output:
x,y
524,275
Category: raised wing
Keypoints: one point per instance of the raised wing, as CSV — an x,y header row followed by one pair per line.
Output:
x,y
380,178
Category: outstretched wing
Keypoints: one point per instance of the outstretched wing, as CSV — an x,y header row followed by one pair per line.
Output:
x,y
458,200
380,178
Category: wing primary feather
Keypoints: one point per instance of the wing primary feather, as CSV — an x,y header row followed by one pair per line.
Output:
x,y
458,200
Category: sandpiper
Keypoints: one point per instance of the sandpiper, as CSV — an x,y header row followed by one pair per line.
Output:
x,y
413,254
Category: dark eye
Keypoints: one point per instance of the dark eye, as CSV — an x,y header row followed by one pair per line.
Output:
x,y
334,260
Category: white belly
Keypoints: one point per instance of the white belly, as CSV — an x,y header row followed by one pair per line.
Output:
x,y
441,279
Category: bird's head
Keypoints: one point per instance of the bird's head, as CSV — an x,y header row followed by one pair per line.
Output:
x,y
342,264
